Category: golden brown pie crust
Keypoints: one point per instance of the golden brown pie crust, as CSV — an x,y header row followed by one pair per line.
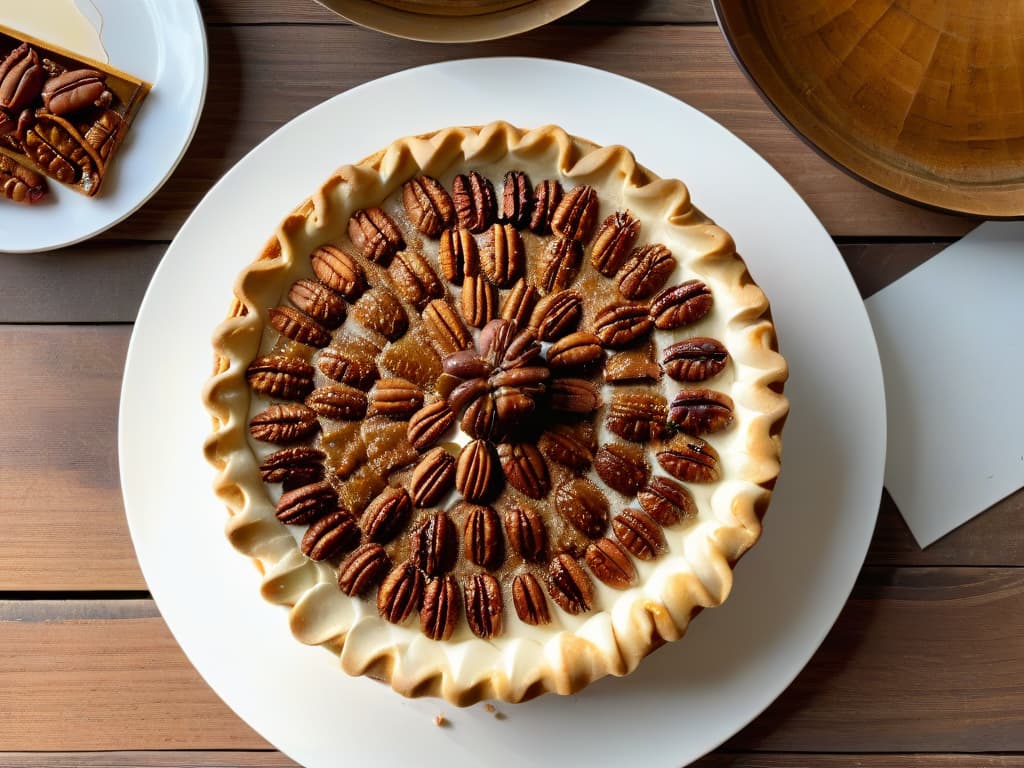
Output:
x,y
624,625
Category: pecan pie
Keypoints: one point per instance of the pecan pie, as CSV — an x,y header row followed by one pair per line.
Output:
x,y
496,412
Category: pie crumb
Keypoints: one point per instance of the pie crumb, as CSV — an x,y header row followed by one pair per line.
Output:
x,y
489,707
440,721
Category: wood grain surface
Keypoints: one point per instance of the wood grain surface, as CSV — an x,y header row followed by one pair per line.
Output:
x,y
881,682
924,668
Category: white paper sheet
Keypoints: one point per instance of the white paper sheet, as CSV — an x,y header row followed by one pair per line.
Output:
x,y
951,338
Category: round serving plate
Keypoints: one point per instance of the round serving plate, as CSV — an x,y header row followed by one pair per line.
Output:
x,y
452,21
164,43
688,696
919,99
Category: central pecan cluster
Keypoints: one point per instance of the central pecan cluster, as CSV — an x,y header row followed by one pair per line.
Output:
x,y
503,380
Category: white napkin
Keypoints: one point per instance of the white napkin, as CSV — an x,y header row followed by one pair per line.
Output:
x,y
951,338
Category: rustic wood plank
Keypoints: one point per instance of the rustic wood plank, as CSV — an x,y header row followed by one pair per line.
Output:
x,y
600,11
921,659
153,759
992,538
60,499
301,65
95,282
235,759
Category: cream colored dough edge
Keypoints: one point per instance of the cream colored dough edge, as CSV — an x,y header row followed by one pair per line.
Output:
x,y
509,669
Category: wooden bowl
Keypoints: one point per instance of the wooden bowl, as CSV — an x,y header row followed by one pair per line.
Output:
x,y
923,99
452,21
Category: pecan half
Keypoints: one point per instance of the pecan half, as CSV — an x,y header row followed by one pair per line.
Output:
x,y
395,398
576,214
690,459
569,585
295,466
17,182
667,501
433,477
415,279
447,332
614,242
699,411
546,197
526,532
280,376
559,264
283,424
502,255
475,202
362,569
318,301
481,536
102,134
441,607
55,146
338,401
620,324
529,601
429,423
302,506
681,305
338,271
516,200
385,517
458,255
584,505
610,563
476,476
525,469
74,90
347,366
21,77
479,301
483,605
375,235
329,536
695,360
298,327
637,416
433,544
557,315
428,205
380,310
646,271
574,396
622,467
401,593
639,534
577,350
519,303
572,446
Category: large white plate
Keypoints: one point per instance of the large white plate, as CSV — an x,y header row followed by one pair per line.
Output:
x,y
164,43
688,697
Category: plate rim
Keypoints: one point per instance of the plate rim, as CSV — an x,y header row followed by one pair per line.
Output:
x,y
204,69
472,28
870,514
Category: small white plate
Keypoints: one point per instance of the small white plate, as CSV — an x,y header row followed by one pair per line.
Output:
x,y
689,696
164,43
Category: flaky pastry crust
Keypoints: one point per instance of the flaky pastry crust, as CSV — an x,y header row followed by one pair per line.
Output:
x,y
626,625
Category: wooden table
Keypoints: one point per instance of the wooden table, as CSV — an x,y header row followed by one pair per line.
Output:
x,y
924,667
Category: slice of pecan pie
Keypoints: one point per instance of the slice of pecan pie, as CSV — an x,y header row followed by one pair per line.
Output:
x,y
496,412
